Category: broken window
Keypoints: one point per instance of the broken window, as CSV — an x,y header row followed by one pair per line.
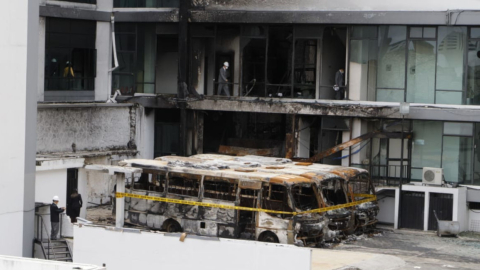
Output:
x,y
275,197
219,189
81,1
70,55
135,45
145,3
305,68
248,198
279,61
333,192
305,198
181,185
361,184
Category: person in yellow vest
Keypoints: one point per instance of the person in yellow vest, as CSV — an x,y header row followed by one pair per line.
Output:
x,y
68,70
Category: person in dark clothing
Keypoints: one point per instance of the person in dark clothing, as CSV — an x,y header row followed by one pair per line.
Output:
x,y
340,84
222,81
74,204
55,217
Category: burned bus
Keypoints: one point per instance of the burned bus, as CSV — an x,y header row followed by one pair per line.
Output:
x,y
336,185
271,204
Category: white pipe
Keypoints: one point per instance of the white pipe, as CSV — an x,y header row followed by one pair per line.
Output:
x,y
115,58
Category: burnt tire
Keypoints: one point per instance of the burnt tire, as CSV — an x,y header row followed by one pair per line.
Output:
x,y
269,237
172,226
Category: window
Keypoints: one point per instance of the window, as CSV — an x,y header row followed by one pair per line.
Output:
x,y
454,155
363,63
183,186
473,73
136,45
219,190
81,1
70,56
275,197
391,63
305,198
146,3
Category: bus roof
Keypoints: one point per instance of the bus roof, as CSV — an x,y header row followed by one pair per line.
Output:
x,y
288,166
214,168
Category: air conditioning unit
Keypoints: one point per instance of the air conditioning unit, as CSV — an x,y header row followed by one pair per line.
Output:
x,y
432,176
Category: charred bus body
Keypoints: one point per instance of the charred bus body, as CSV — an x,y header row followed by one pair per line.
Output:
x,y
206,181
336,185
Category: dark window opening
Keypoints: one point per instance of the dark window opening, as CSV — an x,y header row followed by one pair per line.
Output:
x,y
305,198
183,186
70,55
275,197
333,192
220,190
279,62
146,3
81,1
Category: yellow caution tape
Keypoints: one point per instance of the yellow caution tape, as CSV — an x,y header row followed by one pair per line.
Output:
x,y
214,205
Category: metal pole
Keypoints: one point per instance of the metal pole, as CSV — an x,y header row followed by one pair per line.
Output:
x,y
401,179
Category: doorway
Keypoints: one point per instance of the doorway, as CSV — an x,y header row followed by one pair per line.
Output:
x,y
333,57
72,181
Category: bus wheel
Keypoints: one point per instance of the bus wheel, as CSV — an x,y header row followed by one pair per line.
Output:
x,y
268,237
172,226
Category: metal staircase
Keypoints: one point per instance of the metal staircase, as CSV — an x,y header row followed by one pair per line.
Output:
x,y
57,250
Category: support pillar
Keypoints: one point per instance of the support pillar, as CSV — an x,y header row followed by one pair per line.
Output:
x,y
19,22
120,202
182,88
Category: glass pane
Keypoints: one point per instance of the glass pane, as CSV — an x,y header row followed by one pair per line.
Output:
x,y
305,68
391,57
457,159
146,53
475,32
451,128
416,174
125,42
390,95
364,32
279,55
427,138
416,32
363,69
476,174
253,66
421,71
429,32
447,97
473,74
450,58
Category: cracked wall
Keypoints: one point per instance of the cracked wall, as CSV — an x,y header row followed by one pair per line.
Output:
x,y
90,129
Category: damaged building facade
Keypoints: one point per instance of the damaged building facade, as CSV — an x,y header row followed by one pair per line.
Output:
x,y
139,79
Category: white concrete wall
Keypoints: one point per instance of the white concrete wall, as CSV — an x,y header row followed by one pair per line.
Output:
x,y
19,64
387,210
474,220
340,5
17,263
49,184
145,133
91,128
145,250
41,59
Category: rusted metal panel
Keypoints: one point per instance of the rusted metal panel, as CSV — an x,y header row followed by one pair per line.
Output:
x,y
289,145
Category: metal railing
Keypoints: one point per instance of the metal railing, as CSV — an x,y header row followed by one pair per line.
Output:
x,y
39,236
386,175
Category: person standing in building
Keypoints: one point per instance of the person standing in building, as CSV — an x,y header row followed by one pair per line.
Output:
x,y
74,204
339,86
55,217
222,80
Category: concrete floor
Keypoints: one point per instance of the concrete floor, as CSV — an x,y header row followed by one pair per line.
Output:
x,y
419,249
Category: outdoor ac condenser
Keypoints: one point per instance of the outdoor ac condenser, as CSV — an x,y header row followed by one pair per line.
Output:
x,y
432,176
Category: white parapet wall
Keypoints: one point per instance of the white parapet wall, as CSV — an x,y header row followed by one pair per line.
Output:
x,y
121,250
18,263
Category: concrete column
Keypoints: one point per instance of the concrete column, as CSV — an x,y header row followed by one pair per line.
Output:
x,y
19,51
104,61
397,208
426,211
120,203
41,59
